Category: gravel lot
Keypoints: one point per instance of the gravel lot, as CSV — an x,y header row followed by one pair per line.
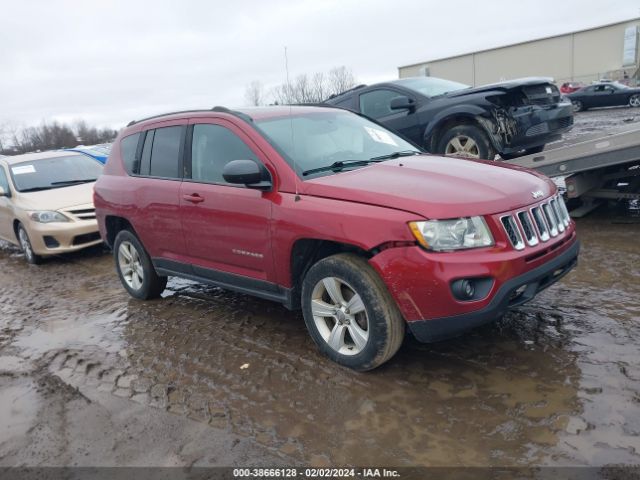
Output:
x,y
89,376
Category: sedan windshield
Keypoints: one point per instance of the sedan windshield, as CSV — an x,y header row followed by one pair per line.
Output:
x,y
430,86
47,173
329,141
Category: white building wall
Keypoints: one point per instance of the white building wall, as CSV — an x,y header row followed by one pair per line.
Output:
x,y
581,56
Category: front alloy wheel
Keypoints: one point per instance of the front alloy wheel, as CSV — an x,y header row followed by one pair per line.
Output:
x,y
340,316
634,100
350,314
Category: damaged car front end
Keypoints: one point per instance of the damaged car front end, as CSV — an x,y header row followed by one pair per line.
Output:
x,y
509,118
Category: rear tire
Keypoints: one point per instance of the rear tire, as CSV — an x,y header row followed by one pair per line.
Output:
x,y
467,141
349,312
136,272
27,249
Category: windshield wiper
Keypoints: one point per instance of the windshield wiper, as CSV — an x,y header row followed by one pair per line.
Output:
x,y
403,153
34,189
74,182
340,165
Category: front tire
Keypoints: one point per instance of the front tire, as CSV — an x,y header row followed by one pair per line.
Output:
x,y
466,141
349,312
634,100
27,249
578,106
135,269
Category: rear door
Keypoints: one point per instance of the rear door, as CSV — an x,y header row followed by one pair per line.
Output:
x,y
376,104
157,190
6,209
226,227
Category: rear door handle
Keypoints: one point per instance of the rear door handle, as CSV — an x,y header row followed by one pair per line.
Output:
x,y
193,198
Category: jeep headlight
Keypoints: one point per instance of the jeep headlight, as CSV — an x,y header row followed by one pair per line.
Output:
x,y
454,234
47,216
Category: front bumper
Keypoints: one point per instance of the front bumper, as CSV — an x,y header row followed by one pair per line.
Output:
x,y
507,296
55,238
538,125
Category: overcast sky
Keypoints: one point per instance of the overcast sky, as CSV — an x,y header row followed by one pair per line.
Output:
x,y
112,61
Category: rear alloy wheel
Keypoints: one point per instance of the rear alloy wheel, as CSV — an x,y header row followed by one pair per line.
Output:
x,y
27,249
577,105
349,312
634,100
135,269
467,141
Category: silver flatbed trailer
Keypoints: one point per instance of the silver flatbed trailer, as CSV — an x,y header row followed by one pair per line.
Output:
x,y
605,168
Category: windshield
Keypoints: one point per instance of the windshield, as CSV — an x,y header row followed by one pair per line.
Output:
x,y
314,140
54,172
431,86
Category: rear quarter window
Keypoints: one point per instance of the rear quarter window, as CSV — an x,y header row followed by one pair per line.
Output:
x,y
128,148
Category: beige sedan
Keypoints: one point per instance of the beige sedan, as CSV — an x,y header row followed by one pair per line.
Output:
x,y
46,202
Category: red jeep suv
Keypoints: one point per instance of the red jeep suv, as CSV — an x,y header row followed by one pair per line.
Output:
x,y
324,210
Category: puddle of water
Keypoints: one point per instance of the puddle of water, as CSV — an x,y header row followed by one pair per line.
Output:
x,y
71,333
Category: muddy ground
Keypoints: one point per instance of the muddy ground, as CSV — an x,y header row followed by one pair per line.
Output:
x,y
89,376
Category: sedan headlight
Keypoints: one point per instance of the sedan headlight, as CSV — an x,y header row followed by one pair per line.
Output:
x,y
48,217
455,234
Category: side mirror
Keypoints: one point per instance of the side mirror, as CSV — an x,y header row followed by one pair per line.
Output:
x,y
248,173
402,103
3,192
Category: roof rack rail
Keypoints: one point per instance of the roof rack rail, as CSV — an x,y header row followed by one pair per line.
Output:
x,y
362,85
218,108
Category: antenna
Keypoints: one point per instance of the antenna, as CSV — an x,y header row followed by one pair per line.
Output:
x,y
293,143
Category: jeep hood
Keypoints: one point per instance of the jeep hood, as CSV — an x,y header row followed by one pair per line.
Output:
x,y
436,187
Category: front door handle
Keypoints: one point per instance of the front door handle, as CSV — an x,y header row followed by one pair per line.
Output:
x,y
193,198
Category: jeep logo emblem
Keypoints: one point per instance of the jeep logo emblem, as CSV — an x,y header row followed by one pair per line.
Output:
x,y
537,193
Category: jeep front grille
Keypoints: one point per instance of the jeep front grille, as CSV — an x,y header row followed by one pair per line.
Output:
x,y
539,224
510,226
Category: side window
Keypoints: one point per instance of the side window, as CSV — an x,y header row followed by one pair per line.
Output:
x,y
212,147
375,104
4,183
165,152
128,147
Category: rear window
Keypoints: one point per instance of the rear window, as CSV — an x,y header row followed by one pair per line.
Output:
x,y
128,148
48,173
165,152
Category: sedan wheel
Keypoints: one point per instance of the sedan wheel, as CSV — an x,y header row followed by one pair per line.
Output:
x,y
25,245
340,316
634,101
577,105
462,146
130,265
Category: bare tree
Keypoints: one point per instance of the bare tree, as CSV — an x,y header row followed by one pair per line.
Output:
x,y
254,93
50,136
340,79
311,89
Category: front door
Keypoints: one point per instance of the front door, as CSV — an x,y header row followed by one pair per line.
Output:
x,y
226,227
